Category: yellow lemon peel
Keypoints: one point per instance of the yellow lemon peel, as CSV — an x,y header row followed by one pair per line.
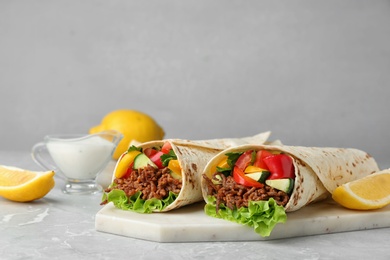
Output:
x,y
22,185
134,125
370,192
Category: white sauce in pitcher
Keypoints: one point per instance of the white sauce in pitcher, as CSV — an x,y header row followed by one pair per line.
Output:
x,y
81,159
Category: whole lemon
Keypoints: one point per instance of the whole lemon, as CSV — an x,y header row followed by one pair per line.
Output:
x,y
134,125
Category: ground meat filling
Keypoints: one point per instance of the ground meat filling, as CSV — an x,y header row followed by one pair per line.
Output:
x,y
234,195
152,182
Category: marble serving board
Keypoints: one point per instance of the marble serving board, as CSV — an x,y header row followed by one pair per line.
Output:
x,y
190,224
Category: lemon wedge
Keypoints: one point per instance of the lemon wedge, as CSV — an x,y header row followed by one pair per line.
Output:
x,y
22,185
370,192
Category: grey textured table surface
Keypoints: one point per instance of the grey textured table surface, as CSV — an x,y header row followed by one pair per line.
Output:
x,y
61,226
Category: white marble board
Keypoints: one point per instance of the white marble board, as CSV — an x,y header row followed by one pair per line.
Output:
x,y
190,224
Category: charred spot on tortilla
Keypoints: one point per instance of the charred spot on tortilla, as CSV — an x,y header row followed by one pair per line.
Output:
x,y
190,179
368,156
179,151
296,197
302,155
194,167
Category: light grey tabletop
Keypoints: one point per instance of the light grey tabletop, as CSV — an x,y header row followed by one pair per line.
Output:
x,y
62,226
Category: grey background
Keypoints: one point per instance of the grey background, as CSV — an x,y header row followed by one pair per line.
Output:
x,y
315,73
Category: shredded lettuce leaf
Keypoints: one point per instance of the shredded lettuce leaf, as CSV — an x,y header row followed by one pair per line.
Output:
x,y
261,215
135,203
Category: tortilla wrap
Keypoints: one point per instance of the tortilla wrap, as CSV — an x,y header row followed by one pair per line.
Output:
x,y
193,157
318,171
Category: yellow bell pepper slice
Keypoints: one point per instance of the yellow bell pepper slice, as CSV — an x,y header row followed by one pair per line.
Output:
x,y
175,168
124,163
252,168
223,163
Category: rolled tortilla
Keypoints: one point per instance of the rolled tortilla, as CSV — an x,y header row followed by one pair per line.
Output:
x,y
193,157
318,171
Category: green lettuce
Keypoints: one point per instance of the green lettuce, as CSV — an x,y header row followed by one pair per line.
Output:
x,y
135,203
261,215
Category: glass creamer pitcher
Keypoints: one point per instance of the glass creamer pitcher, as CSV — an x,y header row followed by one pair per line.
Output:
x,y
78,159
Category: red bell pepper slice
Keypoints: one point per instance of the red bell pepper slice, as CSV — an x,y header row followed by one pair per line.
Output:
x,y
128,172
280,165
244,160
259,161
240,178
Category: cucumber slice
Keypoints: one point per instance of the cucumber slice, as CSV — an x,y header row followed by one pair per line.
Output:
x,y
285,185
141,161
258,176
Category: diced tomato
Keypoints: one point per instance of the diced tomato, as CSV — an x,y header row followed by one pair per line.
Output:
x,y
259,161
166,147
244,160
149,152
156,158
240,178
280,165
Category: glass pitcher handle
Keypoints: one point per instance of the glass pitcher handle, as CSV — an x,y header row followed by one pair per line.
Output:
x,y
37,153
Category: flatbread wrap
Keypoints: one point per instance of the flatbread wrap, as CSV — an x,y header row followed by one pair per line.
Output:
x,y
163,175
255,185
